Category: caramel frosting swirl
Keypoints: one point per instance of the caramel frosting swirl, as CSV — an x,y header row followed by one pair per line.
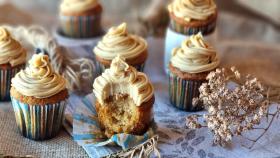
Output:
x,y
78,6
195,56
39,80
118,41
11,51
192,9
121,78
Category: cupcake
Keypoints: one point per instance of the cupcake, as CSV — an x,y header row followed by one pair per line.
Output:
x,y
125,99
189,67
119,42
39,98
80,18
12,60
188,17
193,16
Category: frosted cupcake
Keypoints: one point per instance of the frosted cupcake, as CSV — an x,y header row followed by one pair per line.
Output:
x,y
80,18
119,42
189,67
12,60
188,17
193,16
125,99
39,97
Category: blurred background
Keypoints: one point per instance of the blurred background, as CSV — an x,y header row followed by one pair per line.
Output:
x,y
44,11
247,34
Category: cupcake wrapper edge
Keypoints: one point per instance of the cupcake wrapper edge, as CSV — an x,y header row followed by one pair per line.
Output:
x,y
81,26
39,122
6,76
182,92
204,29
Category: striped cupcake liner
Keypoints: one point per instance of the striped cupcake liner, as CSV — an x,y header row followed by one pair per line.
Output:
x,y
100,68
39,122
88,133
81,26
186,30
6,76
182,92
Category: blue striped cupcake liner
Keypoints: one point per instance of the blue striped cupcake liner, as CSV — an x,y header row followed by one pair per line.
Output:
x,y
88,133
100,68
6,76
186,30
81,26
182,92
39,122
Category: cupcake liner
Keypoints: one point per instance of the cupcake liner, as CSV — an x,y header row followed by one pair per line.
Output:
x,y
6,76
39,122
101,68
182,92
187,30
81,26
87,130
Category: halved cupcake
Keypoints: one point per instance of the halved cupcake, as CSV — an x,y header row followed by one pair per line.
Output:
x,y
125,99
119,42
12,60
189,67
39,98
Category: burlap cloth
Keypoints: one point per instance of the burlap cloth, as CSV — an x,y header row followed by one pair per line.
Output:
x,y
12,143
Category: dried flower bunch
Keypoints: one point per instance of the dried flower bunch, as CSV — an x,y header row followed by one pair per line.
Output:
x,y
235,104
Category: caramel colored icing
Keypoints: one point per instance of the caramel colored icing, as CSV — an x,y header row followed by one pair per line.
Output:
x,y
193,9
11,50
121,78
78,6
119,42
194,56
38,79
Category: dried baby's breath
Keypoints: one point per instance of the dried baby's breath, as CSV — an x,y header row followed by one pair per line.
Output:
x,y
235,104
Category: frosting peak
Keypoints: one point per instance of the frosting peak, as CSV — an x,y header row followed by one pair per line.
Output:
x,y
40,66
11,51
118,65
192,9
121,78
38,80
77,5
4,34
119,41
195,56
119,30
